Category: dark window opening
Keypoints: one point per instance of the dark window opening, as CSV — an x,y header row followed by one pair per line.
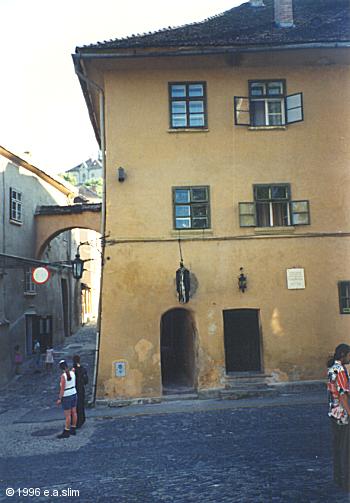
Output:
x,y
344,297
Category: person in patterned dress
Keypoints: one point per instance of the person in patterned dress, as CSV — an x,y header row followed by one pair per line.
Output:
x,y
339,413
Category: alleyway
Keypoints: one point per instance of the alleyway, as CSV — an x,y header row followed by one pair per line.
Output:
x,y
39,390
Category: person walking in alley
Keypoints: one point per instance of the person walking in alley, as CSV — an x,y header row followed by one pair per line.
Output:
x,y
82,379
339,413
68,399
18,360
37,352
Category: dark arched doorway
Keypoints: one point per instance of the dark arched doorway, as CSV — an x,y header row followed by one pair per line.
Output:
x,y
177,345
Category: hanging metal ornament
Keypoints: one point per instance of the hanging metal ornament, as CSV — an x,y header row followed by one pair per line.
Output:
x,y
183,281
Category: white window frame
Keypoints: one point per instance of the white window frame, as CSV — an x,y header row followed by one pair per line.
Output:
x,y
16,213
29,285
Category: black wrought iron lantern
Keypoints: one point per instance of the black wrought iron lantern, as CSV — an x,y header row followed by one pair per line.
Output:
x,y
183,284
242,281
77,267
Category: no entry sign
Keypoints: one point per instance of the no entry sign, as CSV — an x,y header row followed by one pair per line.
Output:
x,y
40,275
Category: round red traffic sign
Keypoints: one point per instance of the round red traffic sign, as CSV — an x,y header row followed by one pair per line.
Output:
x,y
40,275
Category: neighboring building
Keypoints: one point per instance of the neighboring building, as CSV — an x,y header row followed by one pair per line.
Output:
x,y
28,310
233,137
87,170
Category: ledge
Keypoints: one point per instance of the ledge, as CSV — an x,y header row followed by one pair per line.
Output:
x,y
191,233
275,230
266,128
189,130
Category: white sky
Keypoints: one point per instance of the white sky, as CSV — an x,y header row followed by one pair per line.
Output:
x,y
42,109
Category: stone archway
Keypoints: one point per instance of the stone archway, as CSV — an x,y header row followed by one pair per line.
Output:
x,y
178,354
50,221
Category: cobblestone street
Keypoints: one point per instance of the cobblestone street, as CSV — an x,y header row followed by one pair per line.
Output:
x,y
207,451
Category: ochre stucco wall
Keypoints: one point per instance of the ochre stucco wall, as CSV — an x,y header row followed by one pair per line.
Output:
x,y
299,328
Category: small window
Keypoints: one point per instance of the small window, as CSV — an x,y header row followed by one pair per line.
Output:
x,y
29,285
191,207
15,205
344,297
268,105
272,207
187,105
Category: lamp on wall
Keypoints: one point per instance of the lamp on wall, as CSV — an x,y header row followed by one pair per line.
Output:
x,y
121,174
77,266
242,281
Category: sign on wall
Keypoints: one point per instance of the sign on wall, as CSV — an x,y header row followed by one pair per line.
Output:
x,y
120,369
295,279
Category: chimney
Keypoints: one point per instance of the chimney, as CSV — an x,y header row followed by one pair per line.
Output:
x,y
257,3
284,13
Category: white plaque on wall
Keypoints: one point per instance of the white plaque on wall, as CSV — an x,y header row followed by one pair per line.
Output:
x,y
295,279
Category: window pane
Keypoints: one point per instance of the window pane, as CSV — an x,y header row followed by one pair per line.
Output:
x,y
280,214
179,121
258,113
247,208
19,196
247,220
196,107
199,223
195,90
294,101
275,120
263,214
300,206
178,107
300,218
295,115
257,89
279,192
345,289
199,211
182,196
275,88
262,192
200,194
274,107
183,223
197,120
178,91
182,211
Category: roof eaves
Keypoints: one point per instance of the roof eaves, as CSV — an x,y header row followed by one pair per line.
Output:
x,y
58,184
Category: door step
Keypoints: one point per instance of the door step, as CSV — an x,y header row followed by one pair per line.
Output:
x,y
247,384
179,396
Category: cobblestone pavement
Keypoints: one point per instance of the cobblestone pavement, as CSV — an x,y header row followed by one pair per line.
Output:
x,y
256,455
247,451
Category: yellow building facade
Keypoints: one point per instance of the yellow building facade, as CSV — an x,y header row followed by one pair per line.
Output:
x,y
259,182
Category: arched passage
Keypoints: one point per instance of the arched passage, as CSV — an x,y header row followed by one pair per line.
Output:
x,y
50,221
178,355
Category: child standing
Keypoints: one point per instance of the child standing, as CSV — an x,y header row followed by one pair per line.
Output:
x,y
49,359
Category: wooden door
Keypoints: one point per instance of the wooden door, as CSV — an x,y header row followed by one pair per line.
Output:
x,y
242,340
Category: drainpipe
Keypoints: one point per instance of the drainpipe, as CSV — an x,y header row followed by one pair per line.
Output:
x,y
2,273
99,89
